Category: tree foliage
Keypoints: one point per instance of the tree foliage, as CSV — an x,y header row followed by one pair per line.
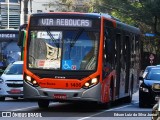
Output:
x,y
143,13
82,6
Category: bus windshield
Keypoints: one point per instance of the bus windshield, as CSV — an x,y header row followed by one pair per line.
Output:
x,y
73,49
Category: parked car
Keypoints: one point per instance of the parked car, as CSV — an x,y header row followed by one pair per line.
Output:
x,y
11,81
147,70
146,94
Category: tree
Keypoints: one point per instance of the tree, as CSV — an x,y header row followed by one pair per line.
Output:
x,y
76,5
66,5
144,14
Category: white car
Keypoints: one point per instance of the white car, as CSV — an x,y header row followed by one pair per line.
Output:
x,y
11,81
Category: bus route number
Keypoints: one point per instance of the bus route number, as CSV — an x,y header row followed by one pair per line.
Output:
x,y
73,85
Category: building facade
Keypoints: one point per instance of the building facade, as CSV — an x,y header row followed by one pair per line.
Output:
x,y
12,11
10,14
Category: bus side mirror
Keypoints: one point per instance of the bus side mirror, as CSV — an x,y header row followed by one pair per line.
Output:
x,y
21,37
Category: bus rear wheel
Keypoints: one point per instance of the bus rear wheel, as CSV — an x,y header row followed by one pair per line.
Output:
x,y
43,103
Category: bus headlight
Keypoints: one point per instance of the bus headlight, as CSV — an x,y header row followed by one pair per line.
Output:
x,y
28,78
94,81
31,81
90,83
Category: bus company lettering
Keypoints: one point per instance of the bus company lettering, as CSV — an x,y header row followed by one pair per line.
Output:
x,y
46,83
66,22
7,35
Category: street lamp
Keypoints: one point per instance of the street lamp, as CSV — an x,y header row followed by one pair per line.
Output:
x,y
25,11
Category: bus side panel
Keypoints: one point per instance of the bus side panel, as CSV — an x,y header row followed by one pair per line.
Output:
x,y
108,72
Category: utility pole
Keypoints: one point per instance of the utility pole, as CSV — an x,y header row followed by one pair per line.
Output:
x,y
24,11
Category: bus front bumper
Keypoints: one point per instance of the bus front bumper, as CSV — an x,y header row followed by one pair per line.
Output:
x,y
37,93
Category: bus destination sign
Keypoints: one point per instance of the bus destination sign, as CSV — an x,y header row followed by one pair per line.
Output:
x,y
65,22
8,35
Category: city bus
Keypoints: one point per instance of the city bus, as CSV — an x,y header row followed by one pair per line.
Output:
x,y
80,57
9,50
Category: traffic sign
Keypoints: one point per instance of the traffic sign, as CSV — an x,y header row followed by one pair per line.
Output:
x,y
150,34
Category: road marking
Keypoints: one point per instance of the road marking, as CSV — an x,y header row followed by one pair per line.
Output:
x,y
21,109
106,111
25,108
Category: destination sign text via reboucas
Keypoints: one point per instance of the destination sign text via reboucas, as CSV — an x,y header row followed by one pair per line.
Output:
x,y
65,22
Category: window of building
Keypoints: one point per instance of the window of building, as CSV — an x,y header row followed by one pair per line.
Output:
x,y
13,1
39,11
2,0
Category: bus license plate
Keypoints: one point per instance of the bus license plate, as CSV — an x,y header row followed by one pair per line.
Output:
x,y
60,96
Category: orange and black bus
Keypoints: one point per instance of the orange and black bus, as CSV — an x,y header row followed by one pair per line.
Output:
x,y
80,57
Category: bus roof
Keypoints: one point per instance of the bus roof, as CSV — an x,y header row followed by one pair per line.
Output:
x,y
97,15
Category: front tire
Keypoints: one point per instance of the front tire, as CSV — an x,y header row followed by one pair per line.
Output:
x,y
15,98
142,103
109,104
129,98
2,98
43,103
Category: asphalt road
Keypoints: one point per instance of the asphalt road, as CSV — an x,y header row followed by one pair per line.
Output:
x,y
28,110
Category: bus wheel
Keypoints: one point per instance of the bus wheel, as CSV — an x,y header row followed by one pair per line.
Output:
x,y
15,98
141,104
129,98
2,98
109,104
43,103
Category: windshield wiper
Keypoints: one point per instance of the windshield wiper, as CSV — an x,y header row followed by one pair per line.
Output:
x,y
80,31
49,33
